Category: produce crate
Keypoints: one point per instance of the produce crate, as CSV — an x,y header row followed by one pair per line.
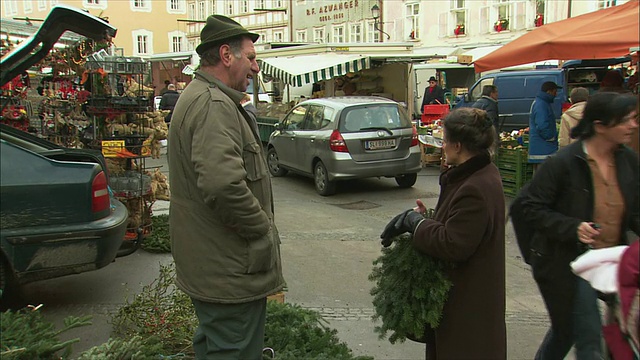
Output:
x,y
430,155
431,113
265,127
515,171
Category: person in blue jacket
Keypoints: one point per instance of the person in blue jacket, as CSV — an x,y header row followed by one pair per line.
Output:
x,y
543,133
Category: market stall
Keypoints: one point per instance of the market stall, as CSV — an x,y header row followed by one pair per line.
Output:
x,y
601,34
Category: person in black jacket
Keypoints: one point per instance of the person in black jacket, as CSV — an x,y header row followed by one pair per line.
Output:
x,y
489,103
585,196
433,94
168,101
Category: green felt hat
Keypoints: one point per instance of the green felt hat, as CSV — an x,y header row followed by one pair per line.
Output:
x,y
218,29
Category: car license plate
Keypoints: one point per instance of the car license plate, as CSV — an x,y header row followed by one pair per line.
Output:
x,y
380,144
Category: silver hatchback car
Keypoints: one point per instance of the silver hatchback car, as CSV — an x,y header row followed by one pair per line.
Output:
x,y
349,137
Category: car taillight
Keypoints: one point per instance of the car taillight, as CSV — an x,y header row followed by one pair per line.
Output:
x,y
336,142
99,193
414,136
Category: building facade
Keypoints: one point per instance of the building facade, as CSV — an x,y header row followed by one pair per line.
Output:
x,y
144,27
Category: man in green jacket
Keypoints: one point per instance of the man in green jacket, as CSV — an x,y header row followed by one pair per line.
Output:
x,y
223,237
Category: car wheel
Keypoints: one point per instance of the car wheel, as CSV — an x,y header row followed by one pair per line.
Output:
x,y
406,180
274,163
324,187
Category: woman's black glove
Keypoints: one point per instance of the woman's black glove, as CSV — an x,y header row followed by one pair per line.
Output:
x,y
402,223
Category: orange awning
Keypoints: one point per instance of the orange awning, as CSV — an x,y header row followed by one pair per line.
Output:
x,y
601,34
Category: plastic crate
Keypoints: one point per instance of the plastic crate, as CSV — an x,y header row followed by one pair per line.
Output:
x,y
431,113
514,169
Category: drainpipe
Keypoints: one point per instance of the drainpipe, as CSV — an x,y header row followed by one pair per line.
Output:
x,y
569,9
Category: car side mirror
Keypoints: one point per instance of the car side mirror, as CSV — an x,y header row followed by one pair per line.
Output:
x,y
467,97
279,126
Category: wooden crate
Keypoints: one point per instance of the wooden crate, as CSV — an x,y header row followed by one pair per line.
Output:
x,y
278,297
430,155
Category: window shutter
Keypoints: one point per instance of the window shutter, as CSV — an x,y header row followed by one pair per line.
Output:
x,y
443,22
519,15
484,20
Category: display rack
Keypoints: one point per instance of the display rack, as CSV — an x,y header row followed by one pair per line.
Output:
x,y
116,105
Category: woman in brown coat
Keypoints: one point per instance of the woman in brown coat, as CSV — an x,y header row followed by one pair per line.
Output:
x,y
468,230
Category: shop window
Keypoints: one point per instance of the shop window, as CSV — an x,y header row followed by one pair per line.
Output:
x,y
142,42
373,35
412,20
301,35
10,7
95,4
318,35
141,5
355,33
191,11
230,9
202,10
28,6
338,34
176,6
603,4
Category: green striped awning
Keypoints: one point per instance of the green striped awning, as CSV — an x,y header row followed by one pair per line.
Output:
x,y
305,69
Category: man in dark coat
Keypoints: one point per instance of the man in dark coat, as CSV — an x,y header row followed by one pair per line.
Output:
x,y
433,94
168,101
489,103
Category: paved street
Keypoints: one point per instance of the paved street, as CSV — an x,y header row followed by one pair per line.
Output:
x,y
328,245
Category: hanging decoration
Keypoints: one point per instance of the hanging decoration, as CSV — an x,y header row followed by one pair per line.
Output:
x,y
501,25
459,30
539,21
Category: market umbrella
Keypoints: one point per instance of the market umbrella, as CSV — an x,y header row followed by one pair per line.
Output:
x,y
600,34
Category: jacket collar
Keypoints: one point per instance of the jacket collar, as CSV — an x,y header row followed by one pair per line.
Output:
x,y
489,98
235,95
543,95
466,169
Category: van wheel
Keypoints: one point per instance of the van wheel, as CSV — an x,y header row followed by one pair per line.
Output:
x,y
274,163
406,180
324,187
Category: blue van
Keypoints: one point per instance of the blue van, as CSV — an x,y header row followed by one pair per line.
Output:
x,y
518,89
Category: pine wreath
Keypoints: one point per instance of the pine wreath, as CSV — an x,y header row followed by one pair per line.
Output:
x,y
410,291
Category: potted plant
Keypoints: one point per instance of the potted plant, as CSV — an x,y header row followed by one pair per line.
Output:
x,y
501,24
539,21
459,30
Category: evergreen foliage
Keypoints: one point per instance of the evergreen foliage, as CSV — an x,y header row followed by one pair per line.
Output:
x,y
158,241
135,348
25,336
410,291
296,333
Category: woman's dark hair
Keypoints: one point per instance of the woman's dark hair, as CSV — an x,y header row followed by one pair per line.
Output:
x,y
608,108
472,128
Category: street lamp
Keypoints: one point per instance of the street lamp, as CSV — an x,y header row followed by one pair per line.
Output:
x,y
375,13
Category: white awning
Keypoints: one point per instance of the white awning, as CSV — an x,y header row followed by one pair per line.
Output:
x,y
305,69
189,69
477,53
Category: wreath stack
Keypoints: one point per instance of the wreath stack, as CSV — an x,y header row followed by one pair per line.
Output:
x,y
410,291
